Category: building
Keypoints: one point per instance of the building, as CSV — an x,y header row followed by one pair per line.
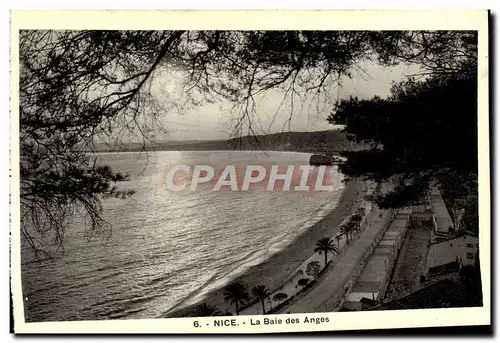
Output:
x,y
462,249
443,224
444,293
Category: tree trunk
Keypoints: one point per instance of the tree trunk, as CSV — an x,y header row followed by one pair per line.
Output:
x,y
263,307
237,310
326,258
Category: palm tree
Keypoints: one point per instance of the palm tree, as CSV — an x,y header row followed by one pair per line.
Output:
x,y
206,310
261,292
352,227
346,230
356,219
236,293
325,245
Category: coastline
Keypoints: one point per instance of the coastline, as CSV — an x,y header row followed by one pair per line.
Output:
x,y
275,270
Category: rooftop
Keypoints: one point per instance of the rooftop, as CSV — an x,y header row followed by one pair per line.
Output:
x,y
444,293
440,210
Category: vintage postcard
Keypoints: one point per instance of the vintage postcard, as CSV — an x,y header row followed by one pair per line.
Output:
x,y
249,171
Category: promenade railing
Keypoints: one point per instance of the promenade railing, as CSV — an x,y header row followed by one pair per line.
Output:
x,y
343,290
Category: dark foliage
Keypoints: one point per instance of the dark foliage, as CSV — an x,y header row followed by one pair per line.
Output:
x,y
303,282
236,293
445,293
313,268
206,310
423,132
280,296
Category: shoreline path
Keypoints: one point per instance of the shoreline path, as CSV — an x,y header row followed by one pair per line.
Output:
x,y
324,297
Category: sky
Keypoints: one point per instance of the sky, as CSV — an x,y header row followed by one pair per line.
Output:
x,y
213,121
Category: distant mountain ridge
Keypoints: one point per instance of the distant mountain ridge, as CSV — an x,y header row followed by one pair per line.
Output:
x,y
330,141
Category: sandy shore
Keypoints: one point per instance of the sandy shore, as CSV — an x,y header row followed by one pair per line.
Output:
x,y
278,267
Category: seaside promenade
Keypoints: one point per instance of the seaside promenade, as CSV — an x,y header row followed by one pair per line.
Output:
x,y
374,279
328,294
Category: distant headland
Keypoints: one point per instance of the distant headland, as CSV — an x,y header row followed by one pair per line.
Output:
x,y
318,142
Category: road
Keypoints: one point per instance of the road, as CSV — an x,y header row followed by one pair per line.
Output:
x,y
324,297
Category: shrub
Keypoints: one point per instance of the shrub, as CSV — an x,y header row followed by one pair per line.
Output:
x,y
313,268
303,282
280,296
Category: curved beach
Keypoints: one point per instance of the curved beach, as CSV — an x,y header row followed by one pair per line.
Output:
x,y
274,271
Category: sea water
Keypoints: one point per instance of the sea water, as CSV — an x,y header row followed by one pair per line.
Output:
x,y
168,248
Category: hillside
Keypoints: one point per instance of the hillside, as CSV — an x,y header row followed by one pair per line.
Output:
x,y
322,141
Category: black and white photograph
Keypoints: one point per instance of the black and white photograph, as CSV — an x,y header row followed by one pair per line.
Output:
x,y
251,180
